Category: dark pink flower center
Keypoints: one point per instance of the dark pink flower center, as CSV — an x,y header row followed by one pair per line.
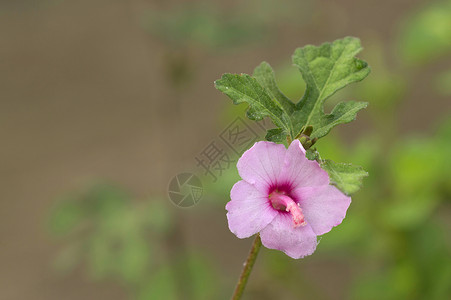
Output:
x,y
283,202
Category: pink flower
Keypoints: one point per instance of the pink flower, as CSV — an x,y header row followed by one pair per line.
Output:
x,y
285,197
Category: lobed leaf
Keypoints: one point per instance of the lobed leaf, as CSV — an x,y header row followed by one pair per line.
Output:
x,y
325,70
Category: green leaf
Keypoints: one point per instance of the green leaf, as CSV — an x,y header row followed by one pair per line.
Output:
x,y
244,88
327,69
346,177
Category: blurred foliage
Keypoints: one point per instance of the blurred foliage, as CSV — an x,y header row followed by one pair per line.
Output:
x,y
426,34
208,26
212,26
129,242
443,83
203,25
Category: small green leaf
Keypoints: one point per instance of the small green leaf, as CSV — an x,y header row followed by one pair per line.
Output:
x,y
327,69
346,177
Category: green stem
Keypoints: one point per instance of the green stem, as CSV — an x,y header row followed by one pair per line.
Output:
x,y
247,268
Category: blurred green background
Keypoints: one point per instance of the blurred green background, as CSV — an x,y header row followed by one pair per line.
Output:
x,y
103,102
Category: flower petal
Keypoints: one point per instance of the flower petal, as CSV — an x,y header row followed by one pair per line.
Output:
x,y
249,211
323,207
298,171
281,234
261,164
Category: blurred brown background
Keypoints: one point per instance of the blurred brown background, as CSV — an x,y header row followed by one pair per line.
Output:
x,y
85,93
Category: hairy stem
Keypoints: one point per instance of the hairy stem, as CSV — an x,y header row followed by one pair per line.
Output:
x,y
248,265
